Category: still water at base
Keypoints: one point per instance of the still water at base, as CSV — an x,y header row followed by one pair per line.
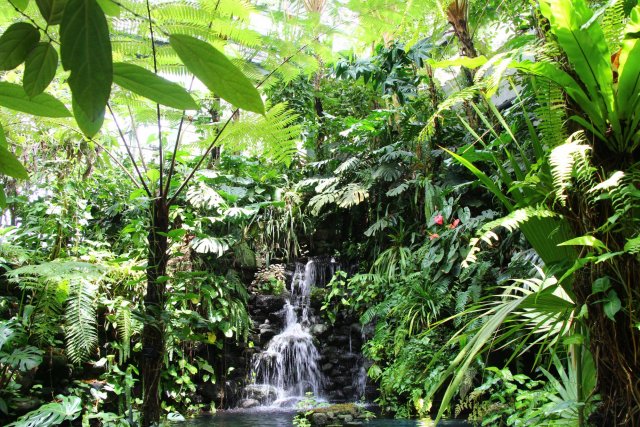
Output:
x,y
270,418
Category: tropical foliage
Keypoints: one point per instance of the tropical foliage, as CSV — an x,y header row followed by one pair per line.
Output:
x,y
475,161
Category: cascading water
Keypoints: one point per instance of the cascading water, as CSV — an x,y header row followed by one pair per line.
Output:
x,y
288,368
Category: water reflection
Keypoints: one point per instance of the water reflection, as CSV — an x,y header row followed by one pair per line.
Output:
x,y
271,418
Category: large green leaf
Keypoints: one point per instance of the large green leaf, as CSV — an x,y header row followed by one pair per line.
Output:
x,y
21,4
23,359
86,51
14,97
3,138
15,44
39,69
585,46
217,72
87,126
147,84
66,408
629,69
11,166
110,7
52,10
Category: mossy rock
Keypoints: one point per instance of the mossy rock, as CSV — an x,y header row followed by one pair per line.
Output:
x,y
338,415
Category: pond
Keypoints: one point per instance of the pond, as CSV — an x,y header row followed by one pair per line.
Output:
x,y
273,418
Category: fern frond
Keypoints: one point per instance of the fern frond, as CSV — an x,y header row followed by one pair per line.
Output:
x,y
274,136
510,222
464,95
563,160
125,328
613,23
80,321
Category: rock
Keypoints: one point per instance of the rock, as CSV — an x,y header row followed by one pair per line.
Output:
x,y
319,329
319,419
345,418
248,403
261,392
327,367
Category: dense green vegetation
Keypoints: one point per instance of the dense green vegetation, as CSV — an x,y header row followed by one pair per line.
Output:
x,y
476,160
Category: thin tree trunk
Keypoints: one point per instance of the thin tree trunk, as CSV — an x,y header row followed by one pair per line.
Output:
x,y
153,344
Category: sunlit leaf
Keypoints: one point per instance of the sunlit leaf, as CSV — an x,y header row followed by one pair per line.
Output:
x,y
149,85
14,97
217,72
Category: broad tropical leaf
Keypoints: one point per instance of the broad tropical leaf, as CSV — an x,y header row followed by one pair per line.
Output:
x,y
39,69
68,408
52,10
217,72
151,86
14,97
15,44
11,166
85,50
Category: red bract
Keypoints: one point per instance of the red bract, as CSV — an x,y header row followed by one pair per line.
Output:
x,y
438,219
454,224
433,236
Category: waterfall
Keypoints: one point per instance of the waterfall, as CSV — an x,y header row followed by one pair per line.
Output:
x,y
288,367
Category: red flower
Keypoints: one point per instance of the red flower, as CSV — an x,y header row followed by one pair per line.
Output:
x,y
433,236
438,219
454,224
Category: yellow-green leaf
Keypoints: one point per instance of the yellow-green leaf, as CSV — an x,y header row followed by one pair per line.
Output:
x,y
14,97
217,72
149,85
21,4
11,166
109,7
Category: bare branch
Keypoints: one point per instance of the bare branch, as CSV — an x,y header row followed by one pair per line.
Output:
x,y
133,160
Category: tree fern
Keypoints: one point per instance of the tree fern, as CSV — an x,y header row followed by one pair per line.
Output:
x,y
274,136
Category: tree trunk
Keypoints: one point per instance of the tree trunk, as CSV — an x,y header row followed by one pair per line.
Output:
x,y
614,344
153,333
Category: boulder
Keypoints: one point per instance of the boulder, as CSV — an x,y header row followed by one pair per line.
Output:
x,y
248,403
